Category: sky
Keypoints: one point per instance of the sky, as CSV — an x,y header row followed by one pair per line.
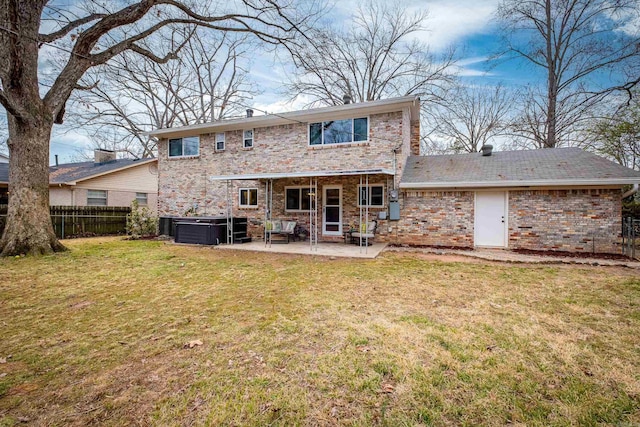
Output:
x,y
464,24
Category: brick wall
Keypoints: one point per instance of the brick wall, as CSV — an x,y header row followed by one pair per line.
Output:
x,y
184,183
565,220
434,218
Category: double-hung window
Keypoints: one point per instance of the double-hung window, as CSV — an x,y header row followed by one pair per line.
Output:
x,y
184,147
142,199
339,131
248,138
220,141
299,199
248,198
372,196
96,198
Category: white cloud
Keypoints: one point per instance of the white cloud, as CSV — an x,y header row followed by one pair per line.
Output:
x,y
282,105
450,22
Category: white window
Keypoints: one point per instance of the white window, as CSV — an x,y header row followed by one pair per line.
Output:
x,y
339,131
184,147
96,198
141,198
248,198
299,199
248,138
220,141
374,194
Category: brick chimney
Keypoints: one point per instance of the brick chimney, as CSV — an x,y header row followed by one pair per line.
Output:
x,y
414,137
103,156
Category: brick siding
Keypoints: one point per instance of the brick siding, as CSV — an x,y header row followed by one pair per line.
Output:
x,y
184,183
435,218
566,220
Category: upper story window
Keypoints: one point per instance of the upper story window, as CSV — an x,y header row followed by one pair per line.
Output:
x,y
372,196
339,131
299,199
220,141
248,198
184,147
248,138
96,198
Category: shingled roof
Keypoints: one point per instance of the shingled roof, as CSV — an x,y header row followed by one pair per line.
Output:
x,y
549,167
72,172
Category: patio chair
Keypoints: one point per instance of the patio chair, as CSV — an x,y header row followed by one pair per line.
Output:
x,y
285,229
367,232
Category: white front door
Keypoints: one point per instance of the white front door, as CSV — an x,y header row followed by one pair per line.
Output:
x,y
332,211
490,222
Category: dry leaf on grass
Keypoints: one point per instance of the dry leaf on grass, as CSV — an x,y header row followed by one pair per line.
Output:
x,y
192,344
387,388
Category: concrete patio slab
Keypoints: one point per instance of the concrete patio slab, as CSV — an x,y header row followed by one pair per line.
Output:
x,y
304,248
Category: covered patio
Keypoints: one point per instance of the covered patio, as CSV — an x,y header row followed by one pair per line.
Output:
x,y
325,205
330,249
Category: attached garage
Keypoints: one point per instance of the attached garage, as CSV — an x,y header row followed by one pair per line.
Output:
x,y
562,199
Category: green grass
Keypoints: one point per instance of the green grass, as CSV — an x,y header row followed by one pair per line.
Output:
x,y
97,336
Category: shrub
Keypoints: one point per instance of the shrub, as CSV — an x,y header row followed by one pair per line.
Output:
x,y
140,222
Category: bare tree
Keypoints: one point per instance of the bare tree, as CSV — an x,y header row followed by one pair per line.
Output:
x,y
468,118
530,127
103,31
577,44
129,96
617,135
376,57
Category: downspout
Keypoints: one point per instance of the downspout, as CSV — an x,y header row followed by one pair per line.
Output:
x,y
631,192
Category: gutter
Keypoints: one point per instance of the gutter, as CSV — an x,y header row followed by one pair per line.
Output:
x,y
631,192
532,183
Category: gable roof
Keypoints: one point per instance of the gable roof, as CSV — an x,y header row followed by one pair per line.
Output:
x,y
70,173
546,167
314,114
4,173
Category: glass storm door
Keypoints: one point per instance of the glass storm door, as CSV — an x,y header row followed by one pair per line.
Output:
x,y
332,211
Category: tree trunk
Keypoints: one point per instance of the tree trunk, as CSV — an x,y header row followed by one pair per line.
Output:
x,y
552,88
28,229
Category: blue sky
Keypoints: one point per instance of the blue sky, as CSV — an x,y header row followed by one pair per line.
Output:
x,y
465,24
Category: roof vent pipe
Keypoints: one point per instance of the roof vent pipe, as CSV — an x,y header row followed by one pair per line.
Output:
x,y
486,150
56,156
249,112
346,99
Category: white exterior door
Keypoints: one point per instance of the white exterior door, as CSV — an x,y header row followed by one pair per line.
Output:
x,y
490,224
332,211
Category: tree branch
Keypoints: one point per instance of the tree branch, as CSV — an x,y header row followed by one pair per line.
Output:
x,y
12,108
48,38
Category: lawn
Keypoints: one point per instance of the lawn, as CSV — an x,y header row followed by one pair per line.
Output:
x,y
145,333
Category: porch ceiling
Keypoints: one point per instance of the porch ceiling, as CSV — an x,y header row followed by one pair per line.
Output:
x,y
305,174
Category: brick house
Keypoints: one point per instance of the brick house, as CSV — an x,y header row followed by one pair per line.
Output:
x,y
332,168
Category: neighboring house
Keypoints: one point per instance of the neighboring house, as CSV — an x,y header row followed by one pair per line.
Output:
x,y
327,168
106,181
4,158
4,183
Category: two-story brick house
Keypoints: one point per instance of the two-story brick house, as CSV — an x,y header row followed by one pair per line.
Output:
x,y
307,166
333,168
